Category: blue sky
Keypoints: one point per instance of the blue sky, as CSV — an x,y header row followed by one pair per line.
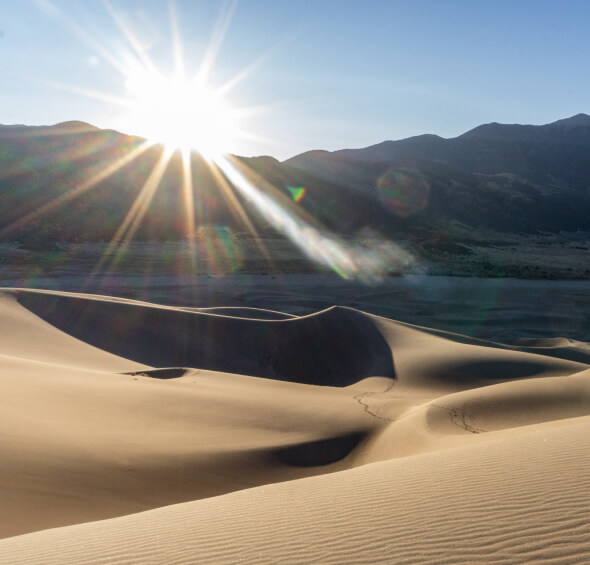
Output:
x,y
329,74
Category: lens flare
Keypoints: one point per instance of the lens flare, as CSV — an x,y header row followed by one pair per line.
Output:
x,y
403,191
184,111
297,193
221,249
367,258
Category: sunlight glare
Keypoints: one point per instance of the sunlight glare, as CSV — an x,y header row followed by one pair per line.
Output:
x,y
367,258
184,112
178,112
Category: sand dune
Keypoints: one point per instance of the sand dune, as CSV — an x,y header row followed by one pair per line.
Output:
x,y
138,433
519,501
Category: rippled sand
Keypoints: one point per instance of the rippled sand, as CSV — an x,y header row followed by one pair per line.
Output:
x,y
138,433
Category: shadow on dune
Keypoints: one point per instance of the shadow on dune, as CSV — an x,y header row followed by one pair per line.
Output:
x,y
320,452
473,372
163,374
336,347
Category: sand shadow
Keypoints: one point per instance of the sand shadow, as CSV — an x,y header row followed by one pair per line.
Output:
x,y
164,374
336,347
320,452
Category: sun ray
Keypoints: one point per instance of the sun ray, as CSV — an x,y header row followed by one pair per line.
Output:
x,y
188,113
143,57
90,93
217,38
189,207
235,207
98,46
180,109
238,210
76,191
249,69
176,42
357,260
68,153
243,74
265,188
120,241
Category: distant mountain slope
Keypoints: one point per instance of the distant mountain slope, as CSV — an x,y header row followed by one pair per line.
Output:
x,y
72,126
499,176
73,182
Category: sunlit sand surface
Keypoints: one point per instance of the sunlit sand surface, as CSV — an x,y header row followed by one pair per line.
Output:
x,y
138,433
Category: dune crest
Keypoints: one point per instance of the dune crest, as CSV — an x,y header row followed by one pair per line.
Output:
x,y
365,438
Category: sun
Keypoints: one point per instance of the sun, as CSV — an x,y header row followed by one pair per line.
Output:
x,y
179,112
184,112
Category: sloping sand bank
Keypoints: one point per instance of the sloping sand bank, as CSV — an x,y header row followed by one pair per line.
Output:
x,y
350,438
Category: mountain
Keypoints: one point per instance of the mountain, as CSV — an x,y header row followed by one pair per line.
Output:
x,y
505,177
73,182
574,121
19,130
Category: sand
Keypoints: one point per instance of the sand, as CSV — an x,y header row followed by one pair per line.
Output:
x,y
138,433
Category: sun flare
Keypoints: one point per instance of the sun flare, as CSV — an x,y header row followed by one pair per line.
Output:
x,y
179,113
177,107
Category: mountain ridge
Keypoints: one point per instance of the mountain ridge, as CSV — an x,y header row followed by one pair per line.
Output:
x,y
577,120
70,126
495,178
505,177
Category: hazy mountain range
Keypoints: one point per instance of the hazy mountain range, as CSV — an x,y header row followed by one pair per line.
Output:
x,y
498,177
516,178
